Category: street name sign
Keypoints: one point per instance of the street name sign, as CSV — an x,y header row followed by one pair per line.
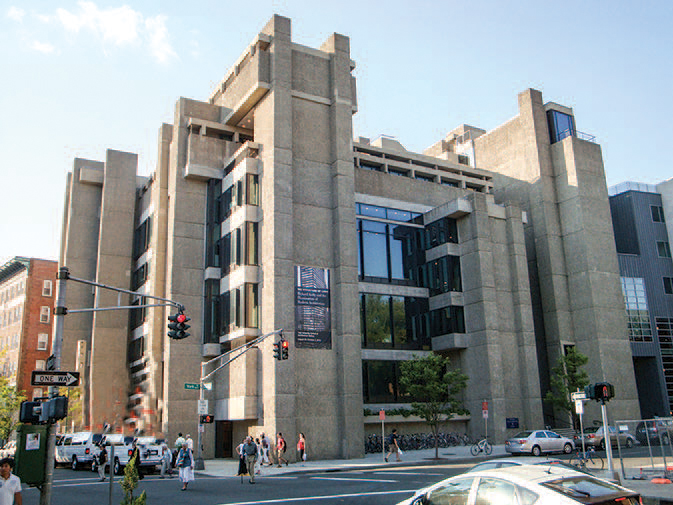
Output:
x,y
191,385
42,378
578,395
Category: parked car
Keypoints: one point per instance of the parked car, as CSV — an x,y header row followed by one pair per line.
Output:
x,y
525,484
78,449
538,442
493,464
659,431
150,452
8,450
594,436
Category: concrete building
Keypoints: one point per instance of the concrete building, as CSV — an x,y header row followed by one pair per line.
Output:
x,y
264,214
646,269
26,312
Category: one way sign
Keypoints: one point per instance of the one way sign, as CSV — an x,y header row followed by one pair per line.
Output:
x,y
40,378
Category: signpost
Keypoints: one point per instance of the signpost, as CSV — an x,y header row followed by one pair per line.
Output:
x,y
382,417
578,397
53,378
202,407
191,385
484,413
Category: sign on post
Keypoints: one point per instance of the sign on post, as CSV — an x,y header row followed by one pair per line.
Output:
x,y
578,395
191,385
51,378
202,407
579,407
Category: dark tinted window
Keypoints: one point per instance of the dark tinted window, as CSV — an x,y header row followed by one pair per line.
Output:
x,y
455,492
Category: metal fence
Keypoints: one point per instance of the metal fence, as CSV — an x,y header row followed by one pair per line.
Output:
x,y
643,447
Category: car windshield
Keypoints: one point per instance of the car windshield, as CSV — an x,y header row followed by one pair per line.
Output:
x,y
586,489
523,434
591,429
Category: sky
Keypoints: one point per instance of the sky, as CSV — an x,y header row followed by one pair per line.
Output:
x,y
81,77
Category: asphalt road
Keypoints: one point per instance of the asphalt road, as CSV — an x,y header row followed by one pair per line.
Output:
x,y
376,486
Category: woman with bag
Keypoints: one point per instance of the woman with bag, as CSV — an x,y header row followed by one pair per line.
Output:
x,y
185,463
301,447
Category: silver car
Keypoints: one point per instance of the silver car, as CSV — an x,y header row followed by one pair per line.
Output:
x,y
538,442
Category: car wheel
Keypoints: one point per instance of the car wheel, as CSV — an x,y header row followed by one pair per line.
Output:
x,y
73,465
536,451
117,467
629,443
567,449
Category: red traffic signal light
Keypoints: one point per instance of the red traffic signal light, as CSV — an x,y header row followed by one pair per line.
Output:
x,y
285,348
177,326
207,418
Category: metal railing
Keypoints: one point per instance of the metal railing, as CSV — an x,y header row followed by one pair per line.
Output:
x,y
574,133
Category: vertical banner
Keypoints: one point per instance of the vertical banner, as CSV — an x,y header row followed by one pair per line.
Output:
x,y
312,308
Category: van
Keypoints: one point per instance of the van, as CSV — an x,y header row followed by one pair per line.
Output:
x,y
78,449
150,452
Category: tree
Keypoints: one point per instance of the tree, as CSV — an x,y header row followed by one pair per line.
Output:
x,y
10,402
129,483
567,377
430,379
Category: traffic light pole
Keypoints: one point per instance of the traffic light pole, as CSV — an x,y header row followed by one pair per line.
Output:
x,y
607,437
237,353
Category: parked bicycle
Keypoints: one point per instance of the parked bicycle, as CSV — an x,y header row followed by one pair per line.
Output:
x,y
481,446
590,460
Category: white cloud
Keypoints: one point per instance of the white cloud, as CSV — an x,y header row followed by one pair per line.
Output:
x,y
42,47
16,14
120,26
158,39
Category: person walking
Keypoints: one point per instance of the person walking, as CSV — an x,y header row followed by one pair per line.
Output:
x,y
393,446
177,446
242,468
101,460
259,456
250,451
190,442
10,484
166,460
266,444
301,447
135,458
185,463
281,446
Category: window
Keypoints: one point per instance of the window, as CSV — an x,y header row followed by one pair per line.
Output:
x,y
560,125
657,213
456,492
45,313
46,287
385,252
141,238
212,326
447,320
37,393
137,316
40,364
664,249
252,189
393,322
139,277
668,285
637,311
42,341
251,243
496,492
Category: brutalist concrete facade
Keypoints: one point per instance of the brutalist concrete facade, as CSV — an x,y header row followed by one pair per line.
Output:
x,y
265,177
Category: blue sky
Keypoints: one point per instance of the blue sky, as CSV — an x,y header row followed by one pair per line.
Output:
x,y
82,77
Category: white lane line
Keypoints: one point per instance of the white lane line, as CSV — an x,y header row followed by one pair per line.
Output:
x,y
329,497
420,474
352,480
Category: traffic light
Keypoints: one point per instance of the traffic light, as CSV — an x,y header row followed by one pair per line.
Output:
x,y
29,412
601,391
589,391
206,419
276,350
285,348
54,409
178,326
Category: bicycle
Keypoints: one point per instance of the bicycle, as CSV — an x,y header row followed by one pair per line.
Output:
x,y
590,460
481,446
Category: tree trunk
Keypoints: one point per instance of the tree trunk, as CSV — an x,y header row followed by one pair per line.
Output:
x,y
436,431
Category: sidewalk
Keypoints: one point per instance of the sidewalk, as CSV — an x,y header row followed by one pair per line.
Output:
x,y
655,493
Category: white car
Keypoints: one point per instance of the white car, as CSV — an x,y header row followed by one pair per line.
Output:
x,y
77,449
150,452
524,485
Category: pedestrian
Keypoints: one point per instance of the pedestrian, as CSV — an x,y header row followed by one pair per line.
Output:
x,y
301,447
242,469
185,463
10,484
190,442
259,456
177,446
281,446
135,458
166,460
266,444
393,446
250,451
101,460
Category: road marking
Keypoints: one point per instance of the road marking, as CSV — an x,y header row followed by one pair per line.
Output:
x,y
329,497
423,474
353,479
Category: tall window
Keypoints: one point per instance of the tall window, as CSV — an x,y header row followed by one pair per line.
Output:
x,y
637,312
665,333
668,285
141,238
395,322
42,341
664,249
560,125
40,364
139,277
213,222
45,313
137,316
657,213
46,287
447,320
385,252
212,327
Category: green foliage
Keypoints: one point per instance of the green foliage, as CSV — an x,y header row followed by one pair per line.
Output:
x,y
430,378
392,412
10,402
567,377
129,483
